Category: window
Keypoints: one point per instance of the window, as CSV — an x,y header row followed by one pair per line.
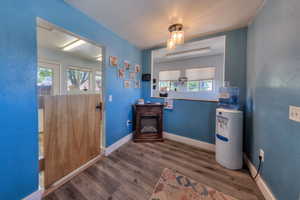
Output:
x,y
200,79
193,86
48,78
78,80
98,81
206,85
45,81
164,84
197,86
168,80
168,85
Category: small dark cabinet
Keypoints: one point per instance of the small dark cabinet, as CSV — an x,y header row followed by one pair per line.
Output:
x,y
148,123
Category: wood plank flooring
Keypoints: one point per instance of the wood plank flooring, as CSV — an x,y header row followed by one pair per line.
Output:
x,y
131,173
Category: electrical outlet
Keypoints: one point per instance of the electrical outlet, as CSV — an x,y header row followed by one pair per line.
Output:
x,y
262,154
128,123
294,113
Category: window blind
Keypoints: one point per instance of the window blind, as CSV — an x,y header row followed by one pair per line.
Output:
x,y
204,73
169,75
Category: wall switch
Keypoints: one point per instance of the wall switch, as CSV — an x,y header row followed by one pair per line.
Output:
x,y
262,155
294,113
110,98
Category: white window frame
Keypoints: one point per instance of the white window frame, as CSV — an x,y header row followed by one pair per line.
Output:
x,y
97,73
202,95
55,67
207,79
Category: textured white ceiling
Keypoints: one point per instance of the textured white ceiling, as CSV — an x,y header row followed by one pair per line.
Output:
x,y
144,23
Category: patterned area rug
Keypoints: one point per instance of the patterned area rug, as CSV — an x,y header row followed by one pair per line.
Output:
x,y
174,186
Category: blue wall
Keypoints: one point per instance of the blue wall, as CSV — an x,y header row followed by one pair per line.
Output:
x,y
18,98
273,83
196,119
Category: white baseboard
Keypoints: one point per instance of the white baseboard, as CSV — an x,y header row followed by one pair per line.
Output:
x,y
263,187
37,195
117,144
189,141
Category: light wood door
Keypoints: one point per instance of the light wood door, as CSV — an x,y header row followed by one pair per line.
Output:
x,y
72,133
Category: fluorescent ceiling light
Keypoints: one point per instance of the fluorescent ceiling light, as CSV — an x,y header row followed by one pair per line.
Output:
x,y
73,45
191,52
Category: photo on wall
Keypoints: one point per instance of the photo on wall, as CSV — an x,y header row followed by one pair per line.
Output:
x,y
137,68
132,75
126,84
121,73
127,65
137,84
113,60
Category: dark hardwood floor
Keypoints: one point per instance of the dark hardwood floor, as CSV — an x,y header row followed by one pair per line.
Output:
x,y
131,173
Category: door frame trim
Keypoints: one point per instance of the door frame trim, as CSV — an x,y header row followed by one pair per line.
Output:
x,y
103,110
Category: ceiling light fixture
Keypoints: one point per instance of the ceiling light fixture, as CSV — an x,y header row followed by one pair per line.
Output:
x,y
176,36
73,45
99,58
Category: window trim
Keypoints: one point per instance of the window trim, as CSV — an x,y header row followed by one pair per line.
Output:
x,y
97,73
56,74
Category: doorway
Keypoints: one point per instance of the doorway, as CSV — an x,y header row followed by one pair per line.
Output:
x,y
70,95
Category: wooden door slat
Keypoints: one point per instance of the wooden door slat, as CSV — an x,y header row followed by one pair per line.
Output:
x,y
72,133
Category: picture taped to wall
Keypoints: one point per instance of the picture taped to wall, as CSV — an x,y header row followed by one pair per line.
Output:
x,y
113,60
132,75
169,103
137,84
127,65
126,84
121,73
137,68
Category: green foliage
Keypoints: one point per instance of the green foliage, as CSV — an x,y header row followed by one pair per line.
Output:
x,y
43,74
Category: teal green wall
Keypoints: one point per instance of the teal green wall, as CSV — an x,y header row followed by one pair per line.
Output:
x,y
273,83
196,119
18,98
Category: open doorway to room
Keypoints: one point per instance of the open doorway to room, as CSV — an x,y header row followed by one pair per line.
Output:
x,y
69,85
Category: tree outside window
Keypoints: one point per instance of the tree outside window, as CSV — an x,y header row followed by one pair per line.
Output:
x,y
78,80
45,81
201,85
193,86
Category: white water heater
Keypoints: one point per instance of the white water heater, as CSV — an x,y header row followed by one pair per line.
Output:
x,y
229,138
